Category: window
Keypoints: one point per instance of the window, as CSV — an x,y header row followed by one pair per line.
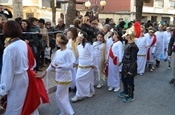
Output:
x,y
172,4
148,2
153,18
159,3
28,15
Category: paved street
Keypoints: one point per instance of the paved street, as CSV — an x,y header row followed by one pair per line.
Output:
x,y
153,96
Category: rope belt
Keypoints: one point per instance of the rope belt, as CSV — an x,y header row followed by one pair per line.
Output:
x,y
62,83
84,67
141,55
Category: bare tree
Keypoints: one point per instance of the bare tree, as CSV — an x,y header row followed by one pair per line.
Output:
x,y
17,5
139,7
71,12
52,4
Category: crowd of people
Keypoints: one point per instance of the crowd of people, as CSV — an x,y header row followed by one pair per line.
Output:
x,y
89,53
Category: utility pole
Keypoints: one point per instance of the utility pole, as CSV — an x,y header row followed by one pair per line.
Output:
x,y
18,8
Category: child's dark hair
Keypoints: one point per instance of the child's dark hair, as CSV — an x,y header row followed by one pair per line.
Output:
x,y
85,38
100,33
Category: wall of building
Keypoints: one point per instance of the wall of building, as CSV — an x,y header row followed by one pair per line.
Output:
x,y
126,17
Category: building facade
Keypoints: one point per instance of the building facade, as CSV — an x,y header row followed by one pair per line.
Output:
x,y
154,10
33,8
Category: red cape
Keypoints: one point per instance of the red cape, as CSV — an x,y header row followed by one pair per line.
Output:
x,y
36,89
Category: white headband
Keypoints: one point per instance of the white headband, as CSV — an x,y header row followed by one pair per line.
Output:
x,y
80,35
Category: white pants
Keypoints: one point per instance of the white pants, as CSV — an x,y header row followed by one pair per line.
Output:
x,y
62,99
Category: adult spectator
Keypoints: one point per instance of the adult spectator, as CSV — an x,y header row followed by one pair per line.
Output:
x,y
61,25
52,41
87,27
8,14
44,39
18,20
3,20
120,26
34,41
25,28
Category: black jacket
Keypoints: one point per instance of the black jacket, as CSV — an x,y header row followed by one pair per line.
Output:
x,y
130,59
171,47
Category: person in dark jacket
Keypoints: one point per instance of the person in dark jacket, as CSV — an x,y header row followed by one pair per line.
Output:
x,y
129,68
3,20
87,27
60,26
25,28
34,40
171,55
9,15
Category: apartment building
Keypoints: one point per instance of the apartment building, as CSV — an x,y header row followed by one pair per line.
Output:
x,y
35,8
154,10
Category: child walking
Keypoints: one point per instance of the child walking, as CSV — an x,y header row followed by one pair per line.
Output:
x,y
62,63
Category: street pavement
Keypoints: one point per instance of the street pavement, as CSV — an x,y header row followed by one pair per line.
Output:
x,y
153,96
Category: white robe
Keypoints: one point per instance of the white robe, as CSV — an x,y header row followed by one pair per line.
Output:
x,y
84,76
142,44
63,62
152,48
74,70
98,53
113,70
14,83
159,52
167,37
109,42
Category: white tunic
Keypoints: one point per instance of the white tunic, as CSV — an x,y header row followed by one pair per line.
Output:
x,y
142,44
113,70
14,77
151,49
84,76
98,51
63,62
109,42
159,45
73,71
98,55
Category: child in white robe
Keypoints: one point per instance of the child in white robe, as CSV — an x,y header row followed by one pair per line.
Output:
x,y
114,62
142,44
72,34
62,63
159,45
151,38
99,58
84,76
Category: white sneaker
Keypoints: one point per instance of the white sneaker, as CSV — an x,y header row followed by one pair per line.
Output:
x,y
141,74
116,89
99,85
75,99
151,70
169,67
91,95
110,89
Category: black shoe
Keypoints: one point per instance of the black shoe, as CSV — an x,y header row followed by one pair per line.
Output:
x,y
172,81
157,63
